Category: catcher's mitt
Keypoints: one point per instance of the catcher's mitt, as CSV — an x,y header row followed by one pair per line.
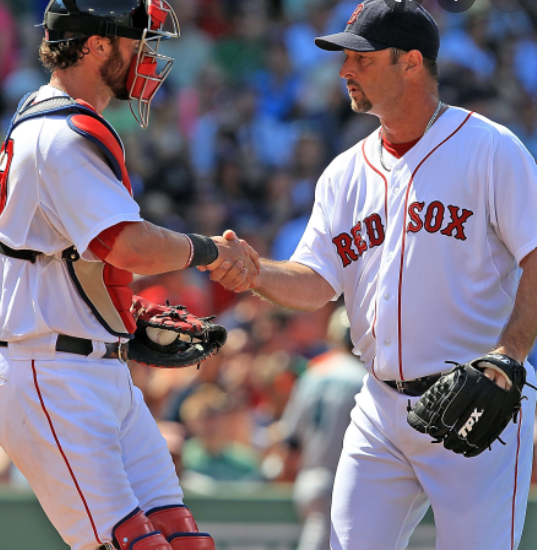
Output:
x,y
197,338
466,410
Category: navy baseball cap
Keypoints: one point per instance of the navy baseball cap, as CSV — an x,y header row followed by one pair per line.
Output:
x,y
382,24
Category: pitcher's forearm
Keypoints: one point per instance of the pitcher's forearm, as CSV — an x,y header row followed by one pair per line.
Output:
x,y
520,331
292,285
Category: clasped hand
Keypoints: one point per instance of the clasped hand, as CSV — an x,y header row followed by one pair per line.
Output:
x,y
237,265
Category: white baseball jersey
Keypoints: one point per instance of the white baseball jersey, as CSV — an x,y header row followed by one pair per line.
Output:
x,y
74,425
426,254
60,192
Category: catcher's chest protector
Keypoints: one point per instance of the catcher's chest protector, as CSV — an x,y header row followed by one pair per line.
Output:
x,y
102,286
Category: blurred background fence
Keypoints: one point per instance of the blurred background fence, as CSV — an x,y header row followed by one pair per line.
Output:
x,y
240,517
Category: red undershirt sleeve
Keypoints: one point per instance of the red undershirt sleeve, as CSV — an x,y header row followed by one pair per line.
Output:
x,y
103,243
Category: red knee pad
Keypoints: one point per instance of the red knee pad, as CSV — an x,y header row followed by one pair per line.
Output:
x,y
136,532
172,519
154,541
180,528
191,541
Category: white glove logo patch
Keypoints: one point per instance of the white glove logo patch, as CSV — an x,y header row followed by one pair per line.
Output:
x,y
474,417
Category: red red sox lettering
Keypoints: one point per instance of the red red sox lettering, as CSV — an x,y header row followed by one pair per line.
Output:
x,y
350,246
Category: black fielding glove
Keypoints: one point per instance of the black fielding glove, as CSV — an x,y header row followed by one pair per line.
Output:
x,y
467,411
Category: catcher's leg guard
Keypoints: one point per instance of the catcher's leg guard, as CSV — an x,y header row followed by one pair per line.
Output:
x,y
180,528
136,532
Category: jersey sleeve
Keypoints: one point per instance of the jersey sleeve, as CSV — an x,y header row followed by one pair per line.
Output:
x,y
513,182
79,193
315,248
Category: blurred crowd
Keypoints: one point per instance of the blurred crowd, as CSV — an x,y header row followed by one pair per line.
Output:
x,y
239,134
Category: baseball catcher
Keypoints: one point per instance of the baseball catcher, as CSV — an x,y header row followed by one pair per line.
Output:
x,y
465,410
88,444
171,337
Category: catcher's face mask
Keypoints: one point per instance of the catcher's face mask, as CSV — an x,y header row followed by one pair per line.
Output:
x,y
148,21
145,77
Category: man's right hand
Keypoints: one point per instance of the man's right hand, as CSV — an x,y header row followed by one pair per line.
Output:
x,y
237,265
288,284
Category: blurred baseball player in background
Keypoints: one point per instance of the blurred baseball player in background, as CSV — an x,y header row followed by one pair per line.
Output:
x,y
70,237
313,424
422,227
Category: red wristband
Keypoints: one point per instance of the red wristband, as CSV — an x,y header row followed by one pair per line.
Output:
x,y
191,254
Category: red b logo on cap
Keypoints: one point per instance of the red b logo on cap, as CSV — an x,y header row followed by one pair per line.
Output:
x,y
355,14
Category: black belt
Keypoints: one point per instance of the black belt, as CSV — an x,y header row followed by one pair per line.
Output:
x,y
70,253
414,388
82,346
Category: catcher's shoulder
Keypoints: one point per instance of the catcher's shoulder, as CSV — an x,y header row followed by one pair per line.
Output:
x,y
54,138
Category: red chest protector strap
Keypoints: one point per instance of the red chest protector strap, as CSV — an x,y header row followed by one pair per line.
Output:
x,y
99,132
102,286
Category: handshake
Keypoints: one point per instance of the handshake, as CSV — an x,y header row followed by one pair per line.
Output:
x,y
237,266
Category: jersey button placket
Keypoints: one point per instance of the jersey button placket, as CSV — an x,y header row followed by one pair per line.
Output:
x,y
386,323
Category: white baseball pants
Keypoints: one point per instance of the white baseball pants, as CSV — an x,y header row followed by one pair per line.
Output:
x,y
389,473
82,435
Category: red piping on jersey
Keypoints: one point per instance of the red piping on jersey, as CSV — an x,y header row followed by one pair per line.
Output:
x,y
409,185
385,218
7,148
65,459
385,183
374,322
516,476
373,368
375,337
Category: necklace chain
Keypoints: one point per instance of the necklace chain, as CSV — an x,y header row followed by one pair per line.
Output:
x,y
427,128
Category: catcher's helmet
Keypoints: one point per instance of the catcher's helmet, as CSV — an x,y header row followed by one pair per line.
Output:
x,y
144,20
